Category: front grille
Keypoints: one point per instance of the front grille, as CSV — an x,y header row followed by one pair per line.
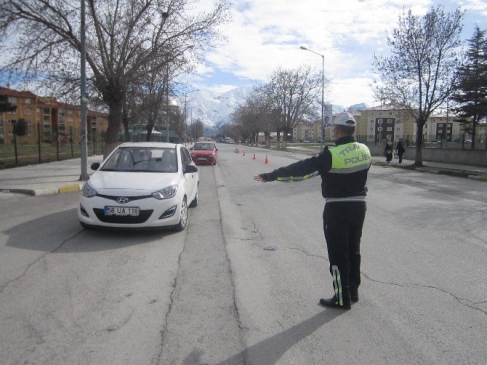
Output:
x,y
124,219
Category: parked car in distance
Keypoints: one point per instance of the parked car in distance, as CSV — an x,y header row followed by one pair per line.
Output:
x,y
204,153
141,185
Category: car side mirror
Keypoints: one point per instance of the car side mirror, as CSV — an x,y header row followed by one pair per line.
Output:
x,y
95,166
189,169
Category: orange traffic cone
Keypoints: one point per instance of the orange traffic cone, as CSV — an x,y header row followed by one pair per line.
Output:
x,y
266,161
253,158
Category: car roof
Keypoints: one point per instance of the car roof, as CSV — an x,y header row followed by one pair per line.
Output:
x,y
150,144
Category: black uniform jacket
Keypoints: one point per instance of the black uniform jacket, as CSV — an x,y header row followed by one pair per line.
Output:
x,y
346,186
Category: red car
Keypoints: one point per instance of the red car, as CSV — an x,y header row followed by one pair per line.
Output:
x,y
204,153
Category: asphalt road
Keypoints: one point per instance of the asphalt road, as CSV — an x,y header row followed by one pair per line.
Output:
x,y
242,283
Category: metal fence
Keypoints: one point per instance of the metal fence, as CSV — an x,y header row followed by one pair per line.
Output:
x,y
61,148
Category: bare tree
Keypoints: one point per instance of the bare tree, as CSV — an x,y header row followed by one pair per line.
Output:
x,y
253,116
296,93
420,74
124,39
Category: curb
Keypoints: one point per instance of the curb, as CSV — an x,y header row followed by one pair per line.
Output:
x,y
47,191
70,188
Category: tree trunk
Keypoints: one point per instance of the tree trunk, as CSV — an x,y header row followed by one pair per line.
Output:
x,y
125,123
114,120
149,127
474,127
418,159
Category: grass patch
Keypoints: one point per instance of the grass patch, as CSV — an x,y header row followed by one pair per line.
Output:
x,y
464,174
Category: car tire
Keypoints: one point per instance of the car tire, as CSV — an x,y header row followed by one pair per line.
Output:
x,y
183,217
194,203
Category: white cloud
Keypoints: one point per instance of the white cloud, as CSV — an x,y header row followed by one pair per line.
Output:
x,y
267,34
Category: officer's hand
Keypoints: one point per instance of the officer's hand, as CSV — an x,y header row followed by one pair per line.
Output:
x,y
264,177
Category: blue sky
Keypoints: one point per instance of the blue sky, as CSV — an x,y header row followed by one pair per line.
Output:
x,y
266,34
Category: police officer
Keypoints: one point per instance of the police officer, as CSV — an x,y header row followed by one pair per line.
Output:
x,y
343,169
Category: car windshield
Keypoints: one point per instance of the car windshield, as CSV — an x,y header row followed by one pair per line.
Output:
x,y
142,159
203,146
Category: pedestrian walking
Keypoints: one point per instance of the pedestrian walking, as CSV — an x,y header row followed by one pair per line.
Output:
x,y
400,149
388,150
343,170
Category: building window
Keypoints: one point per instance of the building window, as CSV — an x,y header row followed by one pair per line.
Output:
x,y
27,111
27,101
11,99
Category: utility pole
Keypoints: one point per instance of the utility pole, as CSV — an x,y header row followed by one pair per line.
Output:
x,y
83,100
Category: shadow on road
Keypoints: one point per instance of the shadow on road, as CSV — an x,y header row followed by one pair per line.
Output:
x,y
62,233
269,351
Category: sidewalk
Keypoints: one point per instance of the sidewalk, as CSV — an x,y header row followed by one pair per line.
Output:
x,y
46,178
465,171
63,176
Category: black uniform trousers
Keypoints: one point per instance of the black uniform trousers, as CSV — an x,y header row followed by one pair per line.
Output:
x,y
342,225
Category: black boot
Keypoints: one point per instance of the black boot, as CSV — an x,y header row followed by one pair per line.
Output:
x,y
333,303
354,295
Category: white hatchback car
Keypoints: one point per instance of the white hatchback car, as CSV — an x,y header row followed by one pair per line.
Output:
x,y
139,185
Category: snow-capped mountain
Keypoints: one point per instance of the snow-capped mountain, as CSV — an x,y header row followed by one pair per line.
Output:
x,y
215,109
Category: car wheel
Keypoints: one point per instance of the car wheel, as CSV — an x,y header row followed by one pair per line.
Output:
x,y
183,218
194,203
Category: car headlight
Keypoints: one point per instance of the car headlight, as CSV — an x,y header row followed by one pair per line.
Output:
x,y
88,191
166,193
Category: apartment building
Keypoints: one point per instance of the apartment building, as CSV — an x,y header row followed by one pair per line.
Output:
x,y
389,122
47,119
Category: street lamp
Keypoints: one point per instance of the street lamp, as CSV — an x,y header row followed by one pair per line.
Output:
x,y
322,94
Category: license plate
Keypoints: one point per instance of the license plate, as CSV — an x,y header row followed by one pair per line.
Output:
x,y
202,158
132,211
